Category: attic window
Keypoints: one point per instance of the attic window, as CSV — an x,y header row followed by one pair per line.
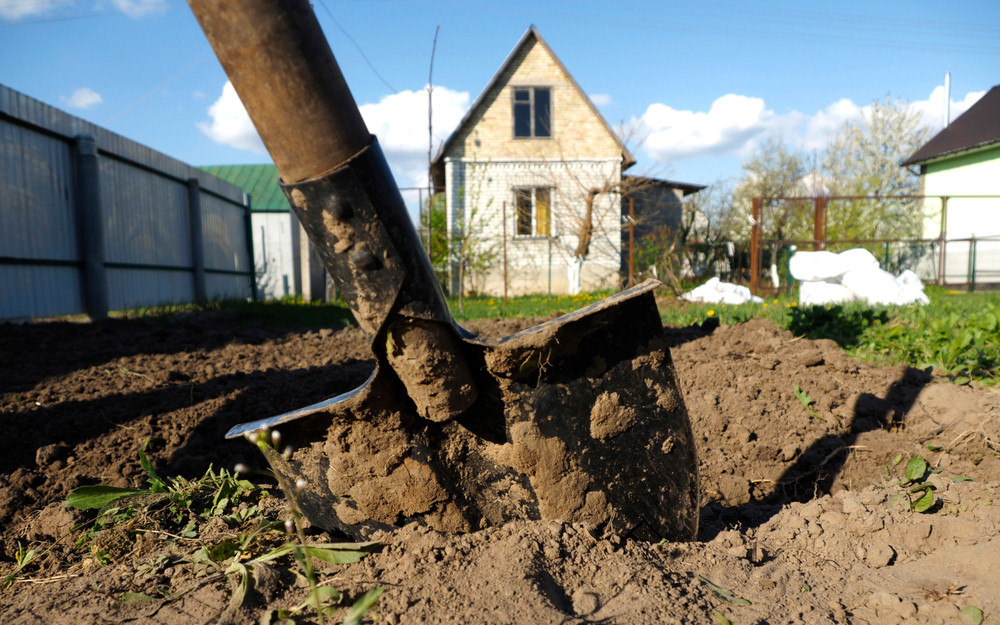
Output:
x,y
532,112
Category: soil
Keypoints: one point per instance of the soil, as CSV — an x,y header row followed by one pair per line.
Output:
x,y
802,516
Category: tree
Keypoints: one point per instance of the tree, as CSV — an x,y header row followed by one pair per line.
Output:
x,y
863,159
437,250
774,170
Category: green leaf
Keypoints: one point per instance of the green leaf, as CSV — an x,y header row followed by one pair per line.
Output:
x,y
277,617
723,593
362,605
933,447
95,497
924,503
132,597
242,585
805,400
223,551
156,485
971,615
897,459
963,478
901,499
720,619
334,553
915,469
327,597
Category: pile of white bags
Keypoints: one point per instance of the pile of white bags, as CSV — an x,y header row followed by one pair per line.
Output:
x,y
717,292
828,278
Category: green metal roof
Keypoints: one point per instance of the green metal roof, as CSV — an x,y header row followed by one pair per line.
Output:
x,y
259,181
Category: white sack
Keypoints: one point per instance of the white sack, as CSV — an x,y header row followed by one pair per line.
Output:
x,y
814,266
857,258
717,292
828,278
820,293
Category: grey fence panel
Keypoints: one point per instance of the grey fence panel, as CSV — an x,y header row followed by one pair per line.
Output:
x,y
224,230
36,189
30,292
145,217
143,288
228,266
225,286
85,230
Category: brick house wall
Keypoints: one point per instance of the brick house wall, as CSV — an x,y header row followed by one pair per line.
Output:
x,y
483,164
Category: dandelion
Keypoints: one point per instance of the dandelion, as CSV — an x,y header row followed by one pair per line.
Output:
x,y
711,313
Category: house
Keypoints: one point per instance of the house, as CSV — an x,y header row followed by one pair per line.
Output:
x,y
648,206
962,164
532,180
278,238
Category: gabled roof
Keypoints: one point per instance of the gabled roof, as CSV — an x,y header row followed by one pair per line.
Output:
x,y
685,188
260,182
976,128
529,36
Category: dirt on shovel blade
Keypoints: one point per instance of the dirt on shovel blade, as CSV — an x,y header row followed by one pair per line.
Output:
x,y
804,514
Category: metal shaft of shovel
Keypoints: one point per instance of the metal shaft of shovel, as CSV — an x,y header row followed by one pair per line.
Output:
x,y
281,66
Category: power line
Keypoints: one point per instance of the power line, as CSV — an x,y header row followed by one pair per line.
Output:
x,y
357,46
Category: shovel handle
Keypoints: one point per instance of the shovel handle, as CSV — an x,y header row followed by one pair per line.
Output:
x,y
339,184
281,66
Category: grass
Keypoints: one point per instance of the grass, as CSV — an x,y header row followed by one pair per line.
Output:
x,y
215,530
957,334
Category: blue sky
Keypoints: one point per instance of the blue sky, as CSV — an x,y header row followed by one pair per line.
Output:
x,y
702,82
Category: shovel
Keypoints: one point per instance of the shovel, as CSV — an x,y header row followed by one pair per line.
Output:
x,y
579,419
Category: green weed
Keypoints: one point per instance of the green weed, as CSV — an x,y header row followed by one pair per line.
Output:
x,y
911,491
22,558
806,401
176,509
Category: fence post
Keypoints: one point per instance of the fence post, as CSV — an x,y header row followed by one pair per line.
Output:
x,y
87,193
819,223
755,246
972,264
248,233
197,240
631,240
942,240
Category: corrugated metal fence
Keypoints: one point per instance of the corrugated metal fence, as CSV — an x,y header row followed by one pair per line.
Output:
x,y
92,222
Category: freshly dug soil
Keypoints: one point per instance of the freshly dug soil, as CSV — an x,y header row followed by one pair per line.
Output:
x,y
802,517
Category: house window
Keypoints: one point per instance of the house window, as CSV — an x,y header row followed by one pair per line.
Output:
x,y
534,211
532,112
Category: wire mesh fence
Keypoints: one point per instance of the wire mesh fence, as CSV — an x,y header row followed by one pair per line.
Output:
x,y
943,248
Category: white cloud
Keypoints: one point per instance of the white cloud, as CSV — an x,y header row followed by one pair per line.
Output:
x,y
600,99
400,123
230,123
933,107
140,8
399,120
16,9
735,124
82,98
729,125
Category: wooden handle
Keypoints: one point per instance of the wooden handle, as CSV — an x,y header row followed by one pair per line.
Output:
x,y
286,75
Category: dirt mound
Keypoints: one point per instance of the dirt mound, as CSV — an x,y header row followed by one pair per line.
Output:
x,y
801,451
